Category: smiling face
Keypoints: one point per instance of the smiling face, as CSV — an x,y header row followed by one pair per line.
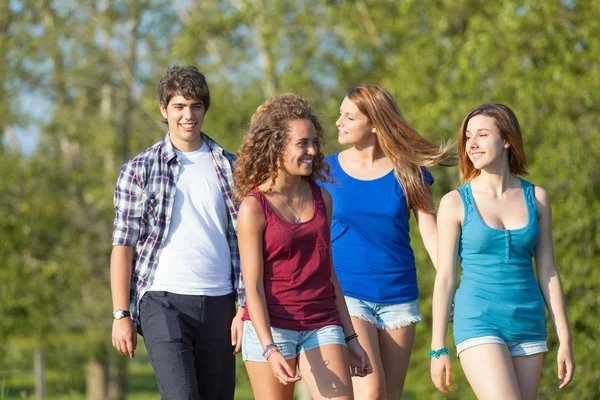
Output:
x,y
301,148
185,118
484,143
354,128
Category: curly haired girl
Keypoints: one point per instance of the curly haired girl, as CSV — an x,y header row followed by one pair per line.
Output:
x,y
295,314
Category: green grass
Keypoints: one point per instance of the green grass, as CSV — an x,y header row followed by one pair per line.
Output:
x,y
61,385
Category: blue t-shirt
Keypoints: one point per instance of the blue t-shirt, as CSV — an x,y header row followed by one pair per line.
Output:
x,y
370,238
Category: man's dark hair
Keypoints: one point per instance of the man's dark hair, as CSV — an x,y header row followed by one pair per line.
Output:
x,y
184,81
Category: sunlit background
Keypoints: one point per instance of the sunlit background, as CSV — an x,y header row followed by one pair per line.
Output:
x,y
79,98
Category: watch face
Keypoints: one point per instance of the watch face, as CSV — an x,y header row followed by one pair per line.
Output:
x,y
118,314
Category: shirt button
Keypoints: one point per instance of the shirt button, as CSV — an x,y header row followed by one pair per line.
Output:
x,y
172,195
168,219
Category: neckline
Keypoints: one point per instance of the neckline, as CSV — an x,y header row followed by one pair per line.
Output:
x,y
337,160
314,201
529,218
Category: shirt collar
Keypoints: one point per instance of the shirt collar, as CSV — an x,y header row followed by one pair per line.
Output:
x,y
169,151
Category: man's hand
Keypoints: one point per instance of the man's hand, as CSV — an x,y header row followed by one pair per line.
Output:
x,y
124,336
237,329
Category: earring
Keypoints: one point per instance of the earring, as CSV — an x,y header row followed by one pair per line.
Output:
x,y
374,130
506,146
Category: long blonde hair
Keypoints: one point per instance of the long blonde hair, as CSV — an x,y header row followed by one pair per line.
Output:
x,y
401,143
264,143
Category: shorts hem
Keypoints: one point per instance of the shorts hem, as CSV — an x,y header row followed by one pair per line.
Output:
x,y
316,346
367,318
400,323
538,346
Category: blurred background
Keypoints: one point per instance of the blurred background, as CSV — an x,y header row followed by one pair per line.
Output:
x,y
79,99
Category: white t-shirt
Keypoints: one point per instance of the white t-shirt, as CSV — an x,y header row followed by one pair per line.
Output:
x,y
195,258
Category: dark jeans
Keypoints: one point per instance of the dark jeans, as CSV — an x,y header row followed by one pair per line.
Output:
x,y
188,339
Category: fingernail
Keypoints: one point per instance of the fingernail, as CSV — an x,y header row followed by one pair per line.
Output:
x,y
293,374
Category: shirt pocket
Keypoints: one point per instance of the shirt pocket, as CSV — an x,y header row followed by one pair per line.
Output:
x,y
153,207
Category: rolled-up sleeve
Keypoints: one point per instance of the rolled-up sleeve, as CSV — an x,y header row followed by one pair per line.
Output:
x,y
427,175
128,208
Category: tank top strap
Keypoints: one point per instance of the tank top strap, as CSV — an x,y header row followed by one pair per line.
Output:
x,y
266,208
318,198
529,193
467,198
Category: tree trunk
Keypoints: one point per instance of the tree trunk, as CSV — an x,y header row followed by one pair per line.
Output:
x,y
117,374
96,380
40,379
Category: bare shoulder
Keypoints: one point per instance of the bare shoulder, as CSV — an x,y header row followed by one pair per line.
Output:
x,y
452,201
542,196
451,207
250,209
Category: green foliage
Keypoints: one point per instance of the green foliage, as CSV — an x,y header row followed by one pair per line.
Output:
x,y
95,67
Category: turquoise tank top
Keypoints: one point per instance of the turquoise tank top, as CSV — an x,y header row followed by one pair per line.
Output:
x,y
498,293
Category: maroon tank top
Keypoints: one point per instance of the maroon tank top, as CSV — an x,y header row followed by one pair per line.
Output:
x,y
297,269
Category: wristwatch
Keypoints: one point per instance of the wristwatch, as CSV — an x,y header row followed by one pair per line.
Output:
x,y
120,314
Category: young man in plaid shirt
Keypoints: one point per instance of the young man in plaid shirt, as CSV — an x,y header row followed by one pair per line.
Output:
x,y
175,270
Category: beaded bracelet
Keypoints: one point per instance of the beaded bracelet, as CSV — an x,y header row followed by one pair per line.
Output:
x,y
350,337
269,350
440,352
270,353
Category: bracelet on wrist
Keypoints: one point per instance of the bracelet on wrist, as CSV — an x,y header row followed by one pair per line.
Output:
x,y
269,350
270,353
440,352
350,337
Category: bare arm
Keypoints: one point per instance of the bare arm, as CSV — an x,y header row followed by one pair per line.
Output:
x,y
428,229
251,226
551,287
450,219
124,335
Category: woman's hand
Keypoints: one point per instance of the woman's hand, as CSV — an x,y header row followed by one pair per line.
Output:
x,y
359,360
566,365
281,369
439,367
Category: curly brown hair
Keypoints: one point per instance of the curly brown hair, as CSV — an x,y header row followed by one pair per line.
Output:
x,y
264,143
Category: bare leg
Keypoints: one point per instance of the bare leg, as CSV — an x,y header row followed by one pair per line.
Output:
x,y
326,372
490,372
265,385
395,349
372,386
529,372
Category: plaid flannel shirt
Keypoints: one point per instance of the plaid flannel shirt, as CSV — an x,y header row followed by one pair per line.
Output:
x,y
143,201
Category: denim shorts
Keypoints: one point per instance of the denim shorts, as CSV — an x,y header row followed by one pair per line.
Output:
x,y
384,316
516,349
290,343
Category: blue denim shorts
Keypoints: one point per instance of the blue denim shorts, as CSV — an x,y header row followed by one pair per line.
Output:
x,y
516,349
384,316
290,343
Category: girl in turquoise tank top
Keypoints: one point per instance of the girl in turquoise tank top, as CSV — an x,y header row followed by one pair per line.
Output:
x,y
497,223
